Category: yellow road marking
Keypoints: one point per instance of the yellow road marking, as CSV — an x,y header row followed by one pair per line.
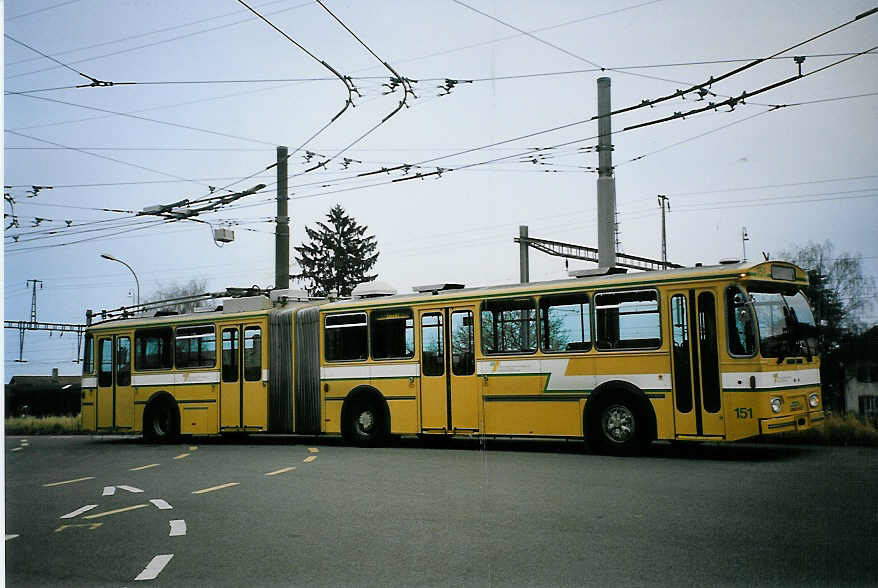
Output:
x,y
280,471
118,510
313,450
69,481
147,466
193,447
310,458
91,526
212,488
182,455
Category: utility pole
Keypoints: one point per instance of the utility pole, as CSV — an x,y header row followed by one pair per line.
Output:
x,y
664,202
744,238
523,259
606,182
282,231
33,299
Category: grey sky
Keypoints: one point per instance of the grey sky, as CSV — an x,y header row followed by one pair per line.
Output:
x,y
820,158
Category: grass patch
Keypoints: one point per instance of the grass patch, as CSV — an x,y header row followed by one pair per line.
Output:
x,y
848,429
48,425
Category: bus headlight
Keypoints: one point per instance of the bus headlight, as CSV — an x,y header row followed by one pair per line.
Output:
x,y
813,400
776,404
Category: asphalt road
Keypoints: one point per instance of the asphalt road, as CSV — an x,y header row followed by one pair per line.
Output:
x,y
501,513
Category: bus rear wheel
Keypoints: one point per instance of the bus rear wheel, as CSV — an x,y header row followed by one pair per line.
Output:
x,y
161,421
365,424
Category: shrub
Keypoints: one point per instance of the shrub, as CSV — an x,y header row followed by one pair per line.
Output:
x,y
48,425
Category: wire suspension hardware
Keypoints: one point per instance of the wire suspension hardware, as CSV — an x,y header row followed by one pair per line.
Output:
x,y
571,251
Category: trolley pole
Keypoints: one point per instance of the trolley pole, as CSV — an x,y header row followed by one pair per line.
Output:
x,y
606,182
663,203
523,259
282,231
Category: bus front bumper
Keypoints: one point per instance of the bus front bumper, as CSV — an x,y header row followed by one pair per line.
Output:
x,y
791,422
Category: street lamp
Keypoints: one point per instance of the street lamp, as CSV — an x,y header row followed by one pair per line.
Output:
x,y
111,258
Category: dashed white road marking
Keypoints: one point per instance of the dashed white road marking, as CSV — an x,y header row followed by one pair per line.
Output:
x,y
69,481
17,448
182,455
79,511
310,458
280,471
131,489
108,491
8,537
161,504
118,510
143,467
193,447
178,528
154,567
313,450
212,488
25,442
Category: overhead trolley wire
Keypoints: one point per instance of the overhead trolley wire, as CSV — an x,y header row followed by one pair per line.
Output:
x,y
153,44
53,6
143,118
108,158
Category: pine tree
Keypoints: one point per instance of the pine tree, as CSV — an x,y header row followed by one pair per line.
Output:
x,y
338,256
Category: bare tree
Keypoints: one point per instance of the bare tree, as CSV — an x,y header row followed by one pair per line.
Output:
x,y
193,287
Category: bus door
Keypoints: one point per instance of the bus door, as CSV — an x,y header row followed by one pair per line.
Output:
x,y
115,396
243,385
695,360
449,390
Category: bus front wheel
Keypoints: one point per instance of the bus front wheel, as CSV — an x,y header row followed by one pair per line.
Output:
x,y
616,427
161,421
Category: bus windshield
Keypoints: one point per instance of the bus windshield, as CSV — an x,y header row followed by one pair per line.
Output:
x,y
786,324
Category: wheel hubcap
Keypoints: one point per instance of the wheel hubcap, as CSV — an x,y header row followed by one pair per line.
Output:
x,y
618,423
365,422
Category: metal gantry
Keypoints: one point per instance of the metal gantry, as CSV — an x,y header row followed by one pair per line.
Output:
x,y
571,251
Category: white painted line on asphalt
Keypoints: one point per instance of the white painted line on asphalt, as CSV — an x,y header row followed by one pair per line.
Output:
x,y
310,458
144,467
212,488
154,567
8,537
69,481
313,450
182,455
108,491
161,504
25,442
281,471
17,448
79,511
118,510
131,489
193,447
178,528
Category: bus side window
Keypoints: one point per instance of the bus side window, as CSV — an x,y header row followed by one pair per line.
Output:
x,y
740,327
627,320
565,322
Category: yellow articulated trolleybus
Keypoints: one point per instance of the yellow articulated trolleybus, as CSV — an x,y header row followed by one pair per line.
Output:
x,y
717,353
